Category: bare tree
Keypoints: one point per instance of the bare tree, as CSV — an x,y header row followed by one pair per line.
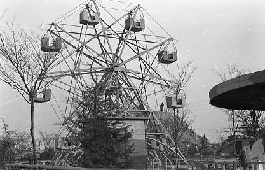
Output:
x,y
180,130
178,124
182,77
23,66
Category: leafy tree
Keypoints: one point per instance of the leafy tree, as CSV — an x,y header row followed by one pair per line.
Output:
x,y
47,139
13,144
177,121
22,142
16,145
105,143
182,132
191,150
205,147
7,153
47,154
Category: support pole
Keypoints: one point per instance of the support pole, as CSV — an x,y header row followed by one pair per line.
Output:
x,y
176,135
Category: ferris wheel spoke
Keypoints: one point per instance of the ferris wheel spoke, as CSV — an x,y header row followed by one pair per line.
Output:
x,y
121,39
153,76
144,52
150,81
122,46
127,34
103,49
102,31
61,74
134,89
116,20
82,43
92,58
77,60
62,88
151,69
103,26
130,44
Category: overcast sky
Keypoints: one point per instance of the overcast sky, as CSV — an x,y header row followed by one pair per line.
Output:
x,y
211,33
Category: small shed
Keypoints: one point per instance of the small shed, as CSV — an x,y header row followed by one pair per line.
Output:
x,y
138,159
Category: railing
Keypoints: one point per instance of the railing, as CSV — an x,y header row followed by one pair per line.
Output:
x,y
205,165
226,165
192,165
234,166
19,166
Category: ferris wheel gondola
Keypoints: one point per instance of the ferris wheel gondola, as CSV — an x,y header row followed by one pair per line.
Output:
x,y
49,44
88,17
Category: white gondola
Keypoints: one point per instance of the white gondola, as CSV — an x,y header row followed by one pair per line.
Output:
x,y
46,96
49,44
166,57
176,102
134,25
88,18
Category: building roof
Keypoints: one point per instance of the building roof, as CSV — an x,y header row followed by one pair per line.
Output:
x,y
246,92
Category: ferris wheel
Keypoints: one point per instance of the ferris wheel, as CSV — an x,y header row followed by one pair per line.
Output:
x,y
119,53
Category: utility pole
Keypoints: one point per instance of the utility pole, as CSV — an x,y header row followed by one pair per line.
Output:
x,y
176,126
176,134
175,103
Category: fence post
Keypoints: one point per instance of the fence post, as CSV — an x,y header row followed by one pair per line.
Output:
x,y
234,166
216,165
252,166
255,166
